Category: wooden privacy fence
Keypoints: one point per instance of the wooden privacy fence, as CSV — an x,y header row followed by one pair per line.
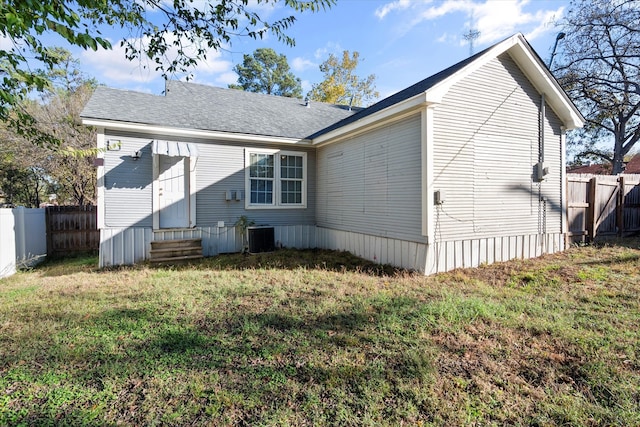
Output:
x,y
71,229
602,205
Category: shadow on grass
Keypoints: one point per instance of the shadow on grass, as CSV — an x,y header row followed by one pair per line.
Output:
x,y
287,259
292,259
260,357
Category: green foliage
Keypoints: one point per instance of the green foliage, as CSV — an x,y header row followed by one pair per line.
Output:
x,y
341,85
154,30
267,72
599,67
23,186
242,224
66,169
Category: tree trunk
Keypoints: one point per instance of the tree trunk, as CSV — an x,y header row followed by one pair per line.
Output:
x,y
617,164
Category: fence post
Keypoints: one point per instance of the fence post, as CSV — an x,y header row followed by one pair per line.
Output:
x,y
591,210
20,234
620,207
47,220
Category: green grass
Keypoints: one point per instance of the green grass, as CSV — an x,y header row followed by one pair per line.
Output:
x,y
324,338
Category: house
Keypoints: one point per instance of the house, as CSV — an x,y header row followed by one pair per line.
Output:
x,y
462,168
632,166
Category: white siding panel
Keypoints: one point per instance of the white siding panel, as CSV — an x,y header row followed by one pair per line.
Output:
x,y
177,234
486,146
405,254
127,183
7,249
220,168
220,240
449,255
124,246
295,236
370,184
30,236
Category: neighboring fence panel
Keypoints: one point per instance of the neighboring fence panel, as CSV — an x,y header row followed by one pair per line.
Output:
x,y
578,192
72,229
630,206
7,249
23,237
602,205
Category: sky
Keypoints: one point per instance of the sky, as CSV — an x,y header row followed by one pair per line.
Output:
x,y
399,41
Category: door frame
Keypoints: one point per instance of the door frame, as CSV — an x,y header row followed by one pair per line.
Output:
x,y
190,164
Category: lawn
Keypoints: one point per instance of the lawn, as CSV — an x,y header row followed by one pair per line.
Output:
x,y
323,338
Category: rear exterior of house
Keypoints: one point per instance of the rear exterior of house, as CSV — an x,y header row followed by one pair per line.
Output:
x,y
463,168
161,182
161,197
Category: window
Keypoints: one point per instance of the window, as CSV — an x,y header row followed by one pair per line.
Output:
x,y
261,173
275,179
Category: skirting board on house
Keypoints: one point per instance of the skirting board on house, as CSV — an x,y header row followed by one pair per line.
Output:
x,y
120,246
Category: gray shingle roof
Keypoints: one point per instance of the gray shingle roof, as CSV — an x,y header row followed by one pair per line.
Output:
x,y
195,106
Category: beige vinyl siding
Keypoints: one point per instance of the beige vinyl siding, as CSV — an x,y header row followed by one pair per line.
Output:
x,y
127,183
220,168
552,185
370,183
486,147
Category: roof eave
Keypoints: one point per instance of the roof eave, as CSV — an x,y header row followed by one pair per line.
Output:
x,y
542,79
191,133
535,70
392,112
522,54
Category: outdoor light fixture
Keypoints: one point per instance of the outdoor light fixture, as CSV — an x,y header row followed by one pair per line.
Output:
x,y
136,155
559,37
114,145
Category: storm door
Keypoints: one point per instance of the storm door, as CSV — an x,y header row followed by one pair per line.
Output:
x,y
173,192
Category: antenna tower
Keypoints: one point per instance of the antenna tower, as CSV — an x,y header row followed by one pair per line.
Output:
x,y
471,35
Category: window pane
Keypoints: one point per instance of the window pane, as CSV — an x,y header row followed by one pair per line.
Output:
x,y
291,192
260,165
261,191
291,167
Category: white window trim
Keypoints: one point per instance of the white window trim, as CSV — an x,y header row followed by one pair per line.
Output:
x,y
277,202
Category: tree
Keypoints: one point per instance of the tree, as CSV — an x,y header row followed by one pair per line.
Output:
x,y
267,72
28,171
174,35
341,85
599,67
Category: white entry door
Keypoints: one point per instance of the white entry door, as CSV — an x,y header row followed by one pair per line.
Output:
x,y
173,192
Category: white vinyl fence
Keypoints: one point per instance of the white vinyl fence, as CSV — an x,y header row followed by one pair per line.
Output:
x,y
23,239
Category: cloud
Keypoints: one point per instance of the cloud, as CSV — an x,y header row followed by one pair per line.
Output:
x,y
323,52
226,79
497,20
113,66
384,10
306,86
301,64
494,19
